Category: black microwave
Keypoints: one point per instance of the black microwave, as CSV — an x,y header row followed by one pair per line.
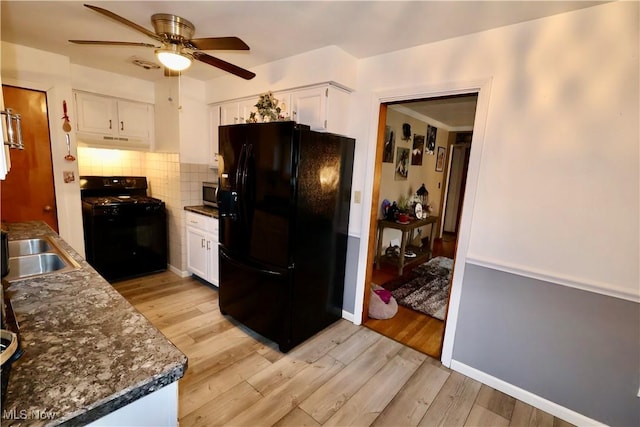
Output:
x,y
210,194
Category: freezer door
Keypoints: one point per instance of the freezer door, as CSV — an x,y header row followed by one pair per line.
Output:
x,y
255,193
233,233
257,297
269,192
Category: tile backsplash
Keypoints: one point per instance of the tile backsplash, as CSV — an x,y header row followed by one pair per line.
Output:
x,y
177,184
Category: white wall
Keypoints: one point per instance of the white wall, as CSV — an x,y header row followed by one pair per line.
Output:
x,y
112,84
321,65
195,141
557,193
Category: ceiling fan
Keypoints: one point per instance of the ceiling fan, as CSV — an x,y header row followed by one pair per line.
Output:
x,y
178,48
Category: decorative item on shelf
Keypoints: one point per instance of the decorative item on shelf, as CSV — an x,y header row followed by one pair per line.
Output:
x,y
392,212
269,109
403,218
423,194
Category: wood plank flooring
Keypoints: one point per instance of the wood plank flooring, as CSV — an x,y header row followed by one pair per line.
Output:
x,y
345,375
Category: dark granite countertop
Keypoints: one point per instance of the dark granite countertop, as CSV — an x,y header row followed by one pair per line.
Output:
x,y
203,210
87,350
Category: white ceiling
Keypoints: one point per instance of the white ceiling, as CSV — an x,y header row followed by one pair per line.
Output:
x,y
273,29
455,112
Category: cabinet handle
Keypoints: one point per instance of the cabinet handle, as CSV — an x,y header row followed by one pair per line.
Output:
x,y
193,222
202,242
121,125
109,124
208,245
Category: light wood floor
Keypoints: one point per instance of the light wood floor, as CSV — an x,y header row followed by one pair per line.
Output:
x,y
345,375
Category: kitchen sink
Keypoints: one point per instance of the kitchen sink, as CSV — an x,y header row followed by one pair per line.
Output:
x,y
28,247
34,257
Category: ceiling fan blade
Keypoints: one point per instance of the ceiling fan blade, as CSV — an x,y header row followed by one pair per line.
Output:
x,y
223,65
219,43
124,21
112,43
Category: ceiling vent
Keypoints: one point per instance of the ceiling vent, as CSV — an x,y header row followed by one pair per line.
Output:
x,y
147,65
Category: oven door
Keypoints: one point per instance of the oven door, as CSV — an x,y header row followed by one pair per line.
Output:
x,y
126,242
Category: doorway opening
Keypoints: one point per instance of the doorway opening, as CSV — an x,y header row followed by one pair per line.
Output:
x,y
428,141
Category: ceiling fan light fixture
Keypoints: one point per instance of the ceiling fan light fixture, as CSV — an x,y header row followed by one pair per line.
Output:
x,y
173,59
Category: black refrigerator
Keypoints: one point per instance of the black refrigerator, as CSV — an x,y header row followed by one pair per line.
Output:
x,y
284,198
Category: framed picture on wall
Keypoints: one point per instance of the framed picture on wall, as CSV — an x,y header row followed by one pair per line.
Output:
x,y
440,159
402,164
431,139
389,144
418,149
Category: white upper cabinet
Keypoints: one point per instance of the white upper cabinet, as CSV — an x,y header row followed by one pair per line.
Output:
x,y
107,122
95,114
133,119
229,113
309,107
323,107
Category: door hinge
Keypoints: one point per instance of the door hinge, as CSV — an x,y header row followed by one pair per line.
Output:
x,y
326,93
325,124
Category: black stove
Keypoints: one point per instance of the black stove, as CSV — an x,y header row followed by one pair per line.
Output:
x,y
125,230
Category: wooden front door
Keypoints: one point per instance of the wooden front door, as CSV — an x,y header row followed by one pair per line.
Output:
x,y
28,192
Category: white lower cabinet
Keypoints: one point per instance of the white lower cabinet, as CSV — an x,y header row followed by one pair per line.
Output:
x,y
202,246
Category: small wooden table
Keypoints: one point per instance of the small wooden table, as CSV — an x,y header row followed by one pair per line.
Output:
x,y
407,236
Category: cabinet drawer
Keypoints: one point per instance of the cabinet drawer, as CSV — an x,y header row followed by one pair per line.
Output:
x,y
202,222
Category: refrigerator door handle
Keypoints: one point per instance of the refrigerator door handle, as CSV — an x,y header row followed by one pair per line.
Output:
x,y
246,195
240,168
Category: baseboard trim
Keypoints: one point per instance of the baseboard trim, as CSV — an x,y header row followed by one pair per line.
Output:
x,y
348,316
552,408
179,272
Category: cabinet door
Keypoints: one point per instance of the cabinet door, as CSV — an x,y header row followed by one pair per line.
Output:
x,y
309,107
245,108
229,114
197,254
133,119
96,114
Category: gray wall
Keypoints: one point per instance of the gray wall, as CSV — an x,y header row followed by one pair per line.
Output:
x,y
578,349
